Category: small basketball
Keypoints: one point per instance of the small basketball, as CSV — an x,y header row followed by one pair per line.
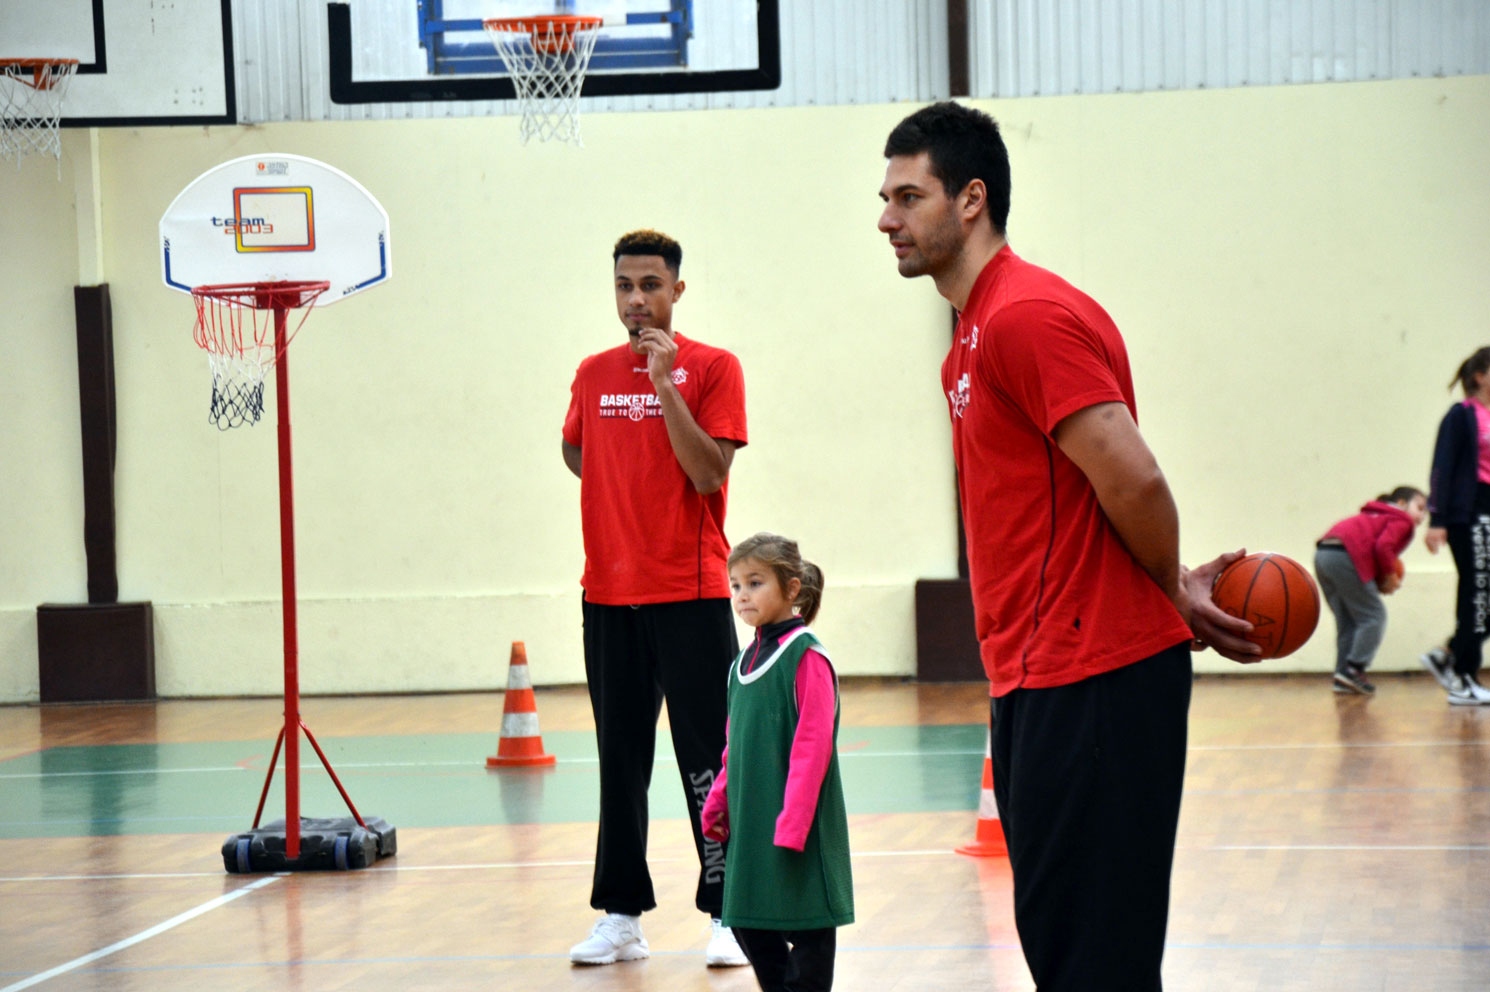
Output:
x,y
1276,595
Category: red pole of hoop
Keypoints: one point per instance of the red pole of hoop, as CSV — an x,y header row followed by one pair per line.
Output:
x,y
287,584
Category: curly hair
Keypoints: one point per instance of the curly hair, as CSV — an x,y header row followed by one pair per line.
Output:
x,y
649,242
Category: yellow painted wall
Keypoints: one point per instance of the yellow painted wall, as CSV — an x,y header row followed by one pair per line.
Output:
x,y
1298,272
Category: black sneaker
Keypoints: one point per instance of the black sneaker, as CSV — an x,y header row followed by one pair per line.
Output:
x,y
1353,680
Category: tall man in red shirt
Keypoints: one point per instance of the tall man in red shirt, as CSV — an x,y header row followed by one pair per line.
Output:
x,y
1085,616
652,430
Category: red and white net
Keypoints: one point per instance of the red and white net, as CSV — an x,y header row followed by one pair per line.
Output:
x,y
547,58
31,95
235,327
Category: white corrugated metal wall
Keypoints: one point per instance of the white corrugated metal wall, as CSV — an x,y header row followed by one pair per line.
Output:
x,y
1042,47
884,51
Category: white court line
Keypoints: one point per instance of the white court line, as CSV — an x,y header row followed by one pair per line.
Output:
x,y
587,862
487,866
480,866
99,878
476,765
206,769
1334,745
140,937
510,865
1338,847
843,755
257,769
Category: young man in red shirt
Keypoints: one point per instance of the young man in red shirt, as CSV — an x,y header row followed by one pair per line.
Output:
x,y
1085,616
652,429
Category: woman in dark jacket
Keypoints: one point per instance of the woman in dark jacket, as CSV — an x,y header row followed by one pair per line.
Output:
x,y
1459,515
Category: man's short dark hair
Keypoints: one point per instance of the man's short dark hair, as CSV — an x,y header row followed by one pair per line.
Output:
x,y
963,144
650,242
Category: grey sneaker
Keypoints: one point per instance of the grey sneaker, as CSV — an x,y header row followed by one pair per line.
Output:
x,y
1353,679
1440,665
1464,690
615,937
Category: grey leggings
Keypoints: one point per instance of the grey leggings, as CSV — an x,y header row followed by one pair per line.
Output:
x,y
1360,615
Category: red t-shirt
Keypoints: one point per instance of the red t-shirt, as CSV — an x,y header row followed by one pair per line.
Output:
x,y
650,537
1056,595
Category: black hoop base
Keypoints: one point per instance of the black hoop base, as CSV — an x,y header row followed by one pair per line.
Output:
x,y
325,845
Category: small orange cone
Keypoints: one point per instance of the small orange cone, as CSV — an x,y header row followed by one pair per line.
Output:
x,y
988,842
521,744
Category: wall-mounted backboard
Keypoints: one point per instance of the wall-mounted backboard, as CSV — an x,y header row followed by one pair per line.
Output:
x,y
140,61
391,51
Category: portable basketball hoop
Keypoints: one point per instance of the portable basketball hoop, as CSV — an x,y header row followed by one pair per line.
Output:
x,y
244,329
547,56
252,241
31,95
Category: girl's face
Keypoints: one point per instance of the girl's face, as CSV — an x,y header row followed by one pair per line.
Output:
x,y
1481,382
1417,509
757,594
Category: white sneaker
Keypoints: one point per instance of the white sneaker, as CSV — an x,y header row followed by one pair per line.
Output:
x,y
1464,690
723,950
615,937
1439,664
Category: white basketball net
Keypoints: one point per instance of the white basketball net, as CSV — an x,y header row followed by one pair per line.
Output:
x,y
31,93
547,63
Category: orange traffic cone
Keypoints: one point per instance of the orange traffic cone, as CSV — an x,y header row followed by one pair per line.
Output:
x,y
520,744
988,842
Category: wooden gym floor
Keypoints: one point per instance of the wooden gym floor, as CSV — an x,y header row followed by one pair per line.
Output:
x,y
1326,843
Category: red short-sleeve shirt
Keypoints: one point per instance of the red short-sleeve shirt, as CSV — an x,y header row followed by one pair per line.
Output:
x,y
1056,595
650,537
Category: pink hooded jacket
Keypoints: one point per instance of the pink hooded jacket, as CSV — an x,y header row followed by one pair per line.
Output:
x,y
1374,537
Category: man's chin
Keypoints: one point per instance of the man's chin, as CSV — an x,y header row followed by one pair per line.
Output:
x,y
911,266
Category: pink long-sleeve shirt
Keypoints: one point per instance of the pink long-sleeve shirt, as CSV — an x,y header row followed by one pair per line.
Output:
x,y
812,750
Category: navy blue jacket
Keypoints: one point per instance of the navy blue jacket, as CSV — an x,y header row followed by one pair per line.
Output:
x,y
1456,468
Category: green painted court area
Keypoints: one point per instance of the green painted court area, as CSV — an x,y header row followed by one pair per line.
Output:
x,y
424,781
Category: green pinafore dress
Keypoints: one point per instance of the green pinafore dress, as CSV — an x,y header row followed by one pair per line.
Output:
x,y
768,887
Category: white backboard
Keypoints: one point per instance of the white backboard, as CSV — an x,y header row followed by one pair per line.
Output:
x,y
271,218
140,61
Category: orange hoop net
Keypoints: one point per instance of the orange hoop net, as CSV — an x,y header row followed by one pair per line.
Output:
x,y
547,56
243,331
31,94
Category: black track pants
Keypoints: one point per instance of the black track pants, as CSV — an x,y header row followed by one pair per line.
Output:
x,y
635,657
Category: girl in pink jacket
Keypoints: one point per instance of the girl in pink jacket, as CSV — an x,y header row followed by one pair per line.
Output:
x,y
1356,562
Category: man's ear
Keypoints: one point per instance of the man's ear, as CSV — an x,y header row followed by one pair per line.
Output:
x,y
973,199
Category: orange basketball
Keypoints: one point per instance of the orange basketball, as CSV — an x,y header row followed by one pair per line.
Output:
x,y
1276,595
